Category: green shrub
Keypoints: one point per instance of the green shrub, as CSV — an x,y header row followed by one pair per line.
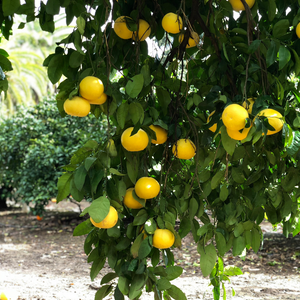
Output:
x,y
34,144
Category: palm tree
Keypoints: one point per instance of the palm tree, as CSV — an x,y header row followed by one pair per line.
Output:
x,y
28,83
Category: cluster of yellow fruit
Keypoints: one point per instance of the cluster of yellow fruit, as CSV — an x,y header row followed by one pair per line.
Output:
x,y
183,148
122,31
235,117
91,90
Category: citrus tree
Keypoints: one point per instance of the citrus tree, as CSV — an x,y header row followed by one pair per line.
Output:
x,y
202,129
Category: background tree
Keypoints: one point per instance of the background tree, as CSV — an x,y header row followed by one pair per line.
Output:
x,y
234,179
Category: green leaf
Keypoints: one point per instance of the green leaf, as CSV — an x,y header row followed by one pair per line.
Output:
x,y
284,56
123,285
80,22
227,142
55,68
136,112
193,208
144,249
163,284
108,277
208,256
103,292
122,113
5,63
132,169
140,218
217,178
83,228
173,272
145,71
63,186
134,86
115,172
271,10
97,265
76,59
221,243
134,250
52,7
281,28
164,99
224,192
150,226
9,7
99,209
297,63
79,177
238,230
232,271
176,293
239,245
271,55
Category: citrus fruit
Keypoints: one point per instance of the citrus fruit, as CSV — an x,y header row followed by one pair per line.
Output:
x,y
163,238
237,135
129,201
91,88
2,296
274,119
136,142
237,5
193,39
109,221
53,200
172,23
184,149
161,134
248,104
234,116
147,188
39,218
102,99
298,30
77,106
121,28
144,31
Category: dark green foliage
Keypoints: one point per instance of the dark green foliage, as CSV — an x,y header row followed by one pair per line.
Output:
x,y
34,144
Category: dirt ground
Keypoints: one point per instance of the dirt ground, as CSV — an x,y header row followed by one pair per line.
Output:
x,y
42,260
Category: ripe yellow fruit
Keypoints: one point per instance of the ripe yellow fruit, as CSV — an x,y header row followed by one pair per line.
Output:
x,y
249,105
109,221
91,88
147,188
163,239
121,28
274,119
193,40
184,149
161,134
136,142
234,116
102,99
77,106
172,23
129,201
237,135
237,5
298,30
2,296
143,31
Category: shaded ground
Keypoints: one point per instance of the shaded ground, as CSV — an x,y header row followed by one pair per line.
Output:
x,y
42,260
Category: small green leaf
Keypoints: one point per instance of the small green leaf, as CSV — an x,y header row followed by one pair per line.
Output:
x,y
123,285
97,265
281,28
9,7
232,271
208,257
52,7
99,209
144,249
103,292
108,277
76,59
136,112
239,245
79,177
176,293
228,143
163,284
255,239
134,250
80,22
173,272
63,186
83,228
134,86
284,56
217,178
55,68
122,113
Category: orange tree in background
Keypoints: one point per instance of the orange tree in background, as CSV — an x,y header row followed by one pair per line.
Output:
x,y
163,73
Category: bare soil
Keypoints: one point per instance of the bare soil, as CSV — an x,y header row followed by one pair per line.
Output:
x,y
42,260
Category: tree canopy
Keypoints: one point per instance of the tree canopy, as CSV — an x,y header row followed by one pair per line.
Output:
x,y
223,192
